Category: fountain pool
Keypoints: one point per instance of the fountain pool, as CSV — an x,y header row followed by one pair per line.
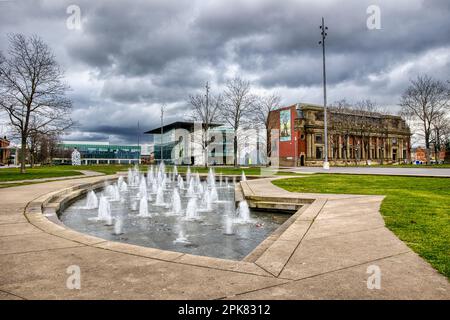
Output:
x,y
153,211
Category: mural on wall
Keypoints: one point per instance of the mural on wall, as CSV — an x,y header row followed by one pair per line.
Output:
x,y
285,125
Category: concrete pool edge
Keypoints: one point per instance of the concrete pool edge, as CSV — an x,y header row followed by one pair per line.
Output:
x,y
43,212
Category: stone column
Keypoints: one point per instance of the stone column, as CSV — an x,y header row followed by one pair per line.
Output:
x,y
377,148
313,145
340,147
348,147
308,145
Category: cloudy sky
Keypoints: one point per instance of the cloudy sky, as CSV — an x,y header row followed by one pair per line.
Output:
x,y
129,57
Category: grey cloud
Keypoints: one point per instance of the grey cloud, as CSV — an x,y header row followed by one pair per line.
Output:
x,y
142,54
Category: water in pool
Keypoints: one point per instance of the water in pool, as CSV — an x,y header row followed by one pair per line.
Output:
x,y
168,211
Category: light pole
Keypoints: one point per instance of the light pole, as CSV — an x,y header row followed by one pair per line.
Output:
x,y
326,164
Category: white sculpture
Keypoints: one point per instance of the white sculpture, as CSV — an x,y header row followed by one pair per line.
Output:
x,y
76,158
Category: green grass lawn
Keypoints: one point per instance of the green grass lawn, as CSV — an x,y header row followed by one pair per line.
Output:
x,y
416,209
421,166
13,174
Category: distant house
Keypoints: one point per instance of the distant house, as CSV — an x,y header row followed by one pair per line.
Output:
x,y
419,156
5,151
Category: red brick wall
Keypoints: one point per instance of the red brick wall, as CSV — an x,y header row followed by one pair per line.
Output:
x,y
287,148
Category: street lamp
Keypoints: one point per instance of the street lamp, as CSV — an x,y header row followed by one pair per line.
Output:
x,y
326,164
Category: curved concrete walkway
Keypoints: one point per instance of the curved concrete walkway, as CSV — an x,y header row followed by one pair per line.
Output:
x,y
393,171
324,253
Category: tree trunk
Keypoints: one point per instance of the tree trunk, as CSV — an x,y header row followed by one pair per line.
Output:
x,y
235,147
31,159
427,148
23,150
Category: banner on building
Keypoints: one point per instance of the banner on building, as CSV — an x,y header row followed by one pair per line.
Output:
x,y
285,125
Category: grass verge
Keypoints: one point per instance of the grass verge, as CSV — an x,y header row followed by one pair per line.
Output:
x,y
416,209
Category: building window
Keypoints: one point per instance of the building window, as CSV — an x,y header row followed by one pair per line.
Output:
x,y
319,116
302,137
318,138
319,153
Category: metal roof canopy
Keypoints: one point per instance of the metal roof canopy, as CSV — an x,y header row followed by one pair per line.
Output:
x,y
178,125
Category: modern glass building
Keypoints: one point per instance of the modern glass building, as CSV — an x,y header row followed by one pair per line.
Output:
x,y
181,143
99,153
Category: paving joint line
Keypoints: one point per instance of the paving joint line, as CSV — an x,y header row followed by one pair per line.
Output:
x,y
290,280
303,237
13,294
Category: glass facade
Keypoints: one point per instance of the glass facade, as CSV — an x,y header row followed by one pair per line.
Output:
x,y
182,149
104,151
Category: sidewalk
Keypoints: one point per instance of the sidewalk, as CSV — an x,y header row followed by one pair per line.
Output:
x,y
420,172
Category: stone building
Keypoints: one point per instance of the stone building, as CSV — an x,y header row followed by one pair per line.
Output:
x,y
354,137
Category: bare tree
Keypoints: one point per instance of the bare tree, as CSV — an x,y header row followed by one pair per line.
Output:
x,y
237,107
263,106
440,134
369,121
205,109
32,92
424,101
342,122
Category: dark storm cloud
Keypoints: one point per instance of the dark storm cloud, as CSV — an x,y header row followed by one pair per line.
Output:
x,y
132,56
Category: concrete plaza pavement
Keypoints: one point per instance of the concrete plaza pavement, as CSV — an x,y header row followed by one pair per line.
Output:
x,y
324,253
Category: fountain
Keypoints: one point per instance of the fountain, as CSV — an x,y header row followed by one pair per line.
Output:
x,y
191,209
211,178
228,225
120,180
91,201
243,177
180,182
214,196
143,207
104,210
142,188
160,196
189,215
181,237
123,187
188,174
176,202
191,190
112,192
118,226
243,212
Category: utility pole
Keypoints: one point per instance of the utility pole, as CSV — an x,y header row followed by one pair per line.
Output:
x,y
162,131
326,164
